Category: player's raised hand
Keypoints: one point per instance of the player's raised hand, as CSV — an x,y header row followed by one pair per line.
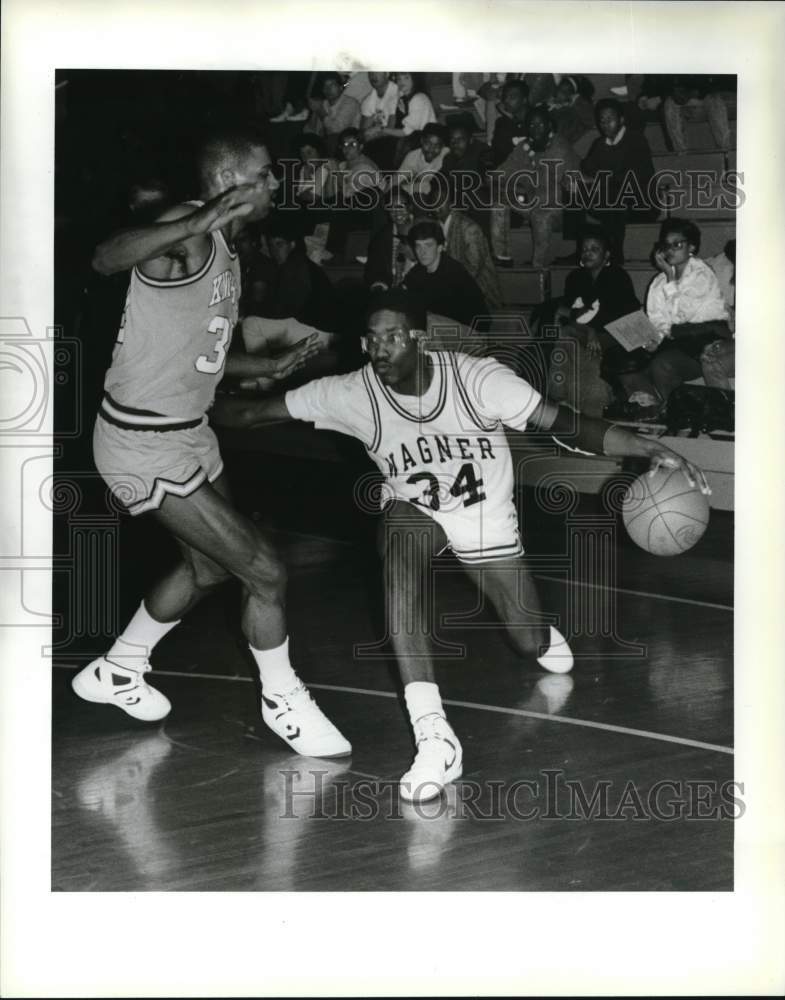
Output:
x,y
285,364
663,457
219,212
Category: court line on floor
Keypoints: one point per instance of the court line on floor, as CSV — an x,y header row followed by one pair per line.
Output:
x,y
558,579
477,706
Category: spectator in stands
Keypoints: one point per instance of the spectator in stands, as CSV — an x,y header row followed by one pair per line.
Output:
x,y
718,359
534,176
295,99
420,165
357,191
466,243
490,92
335,112
510,129
438,283
572,110
466,155
413,113
623,157
297,287
378,111
390,255
693,99
314,179
258,270
686,307
595,294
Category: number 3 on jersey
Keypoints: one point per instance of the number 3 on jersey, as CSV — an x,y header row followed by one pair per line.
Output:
x,y
221,327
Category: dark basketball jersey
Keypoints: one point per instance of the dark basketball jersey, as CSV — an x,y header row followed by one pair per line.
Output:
x,y
172,344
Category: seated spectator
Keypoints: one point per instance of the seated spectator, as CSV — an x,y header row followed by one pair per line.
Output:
x,y
595,294
357,192
390,255
297,286
466,243
420,165
572,111
413,113
378,111
694,99
314,178
623,156
509,130
491,92
438,283
685,305
335,112
466,155
539,163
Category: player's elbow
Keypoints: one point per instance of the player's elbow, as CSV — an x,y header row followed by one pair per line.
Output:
x,y
102,262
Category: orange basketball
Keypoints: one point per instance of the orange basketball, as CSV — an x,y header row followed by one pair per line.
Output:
x,y
663,514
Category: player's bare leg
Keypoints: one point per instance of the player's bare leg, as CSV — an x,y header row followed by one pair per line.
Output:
x,y
513,593
411,539
206,523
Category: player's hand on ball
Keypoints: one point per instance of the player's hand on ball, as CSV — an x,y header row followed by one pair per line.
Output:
x,y
663,458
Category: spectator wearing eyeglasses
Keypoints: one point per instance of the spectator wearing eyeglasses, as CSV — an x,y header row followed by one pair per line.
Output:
x,y
357,183
686,307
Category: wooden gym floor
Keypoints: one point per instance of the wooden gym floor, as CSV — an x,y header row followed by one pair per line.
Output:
x,y
212,800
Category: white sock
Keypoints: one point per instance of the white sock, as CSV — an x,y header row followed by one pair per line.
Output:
x,y
275,671
423,698
138,639
558,659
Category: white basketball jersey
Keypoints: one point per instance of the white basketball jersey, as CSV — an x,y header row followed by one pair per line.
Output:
x,y
172,344
436,451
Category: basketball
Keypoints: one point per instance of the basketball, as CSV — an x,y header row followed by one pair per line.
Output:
x,y
663,514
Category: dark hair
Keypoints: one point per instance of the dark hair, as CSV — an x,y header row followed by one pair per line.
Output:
x,y
515,85
684,228
418,84
332,76
426,229
311,139
434,128
397,300
226,146
607,104
595,233
350,133
543,112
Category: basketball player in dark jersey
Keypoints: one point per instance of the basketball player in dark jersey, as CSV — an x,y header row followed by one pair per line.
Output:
x,y
433,422
154,448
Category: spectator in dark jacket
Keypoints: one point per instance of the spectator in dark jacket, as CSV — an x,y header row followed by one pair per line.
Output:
x,y
623,160
438,283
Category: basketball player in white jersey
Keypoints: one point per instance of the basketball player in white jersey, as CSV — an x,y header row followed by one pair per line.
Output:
x,y
153,446
433,424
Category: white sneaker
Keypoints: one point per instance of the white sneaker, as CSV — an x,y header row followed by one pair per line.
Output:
x,y
298,720
109,683
438,761
301,116
558,659
283,116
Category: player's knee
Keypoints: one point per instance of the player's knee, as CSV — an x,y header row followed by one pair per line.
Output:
x,y
209,577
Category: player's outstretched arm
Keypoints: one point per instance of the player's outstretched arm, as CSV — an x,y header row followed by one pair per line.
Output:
x,y
230,411
177,226
260,372
603,438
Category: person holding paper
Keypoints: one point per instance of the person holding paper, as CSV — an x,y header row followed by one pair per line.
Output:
x,y
686,307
